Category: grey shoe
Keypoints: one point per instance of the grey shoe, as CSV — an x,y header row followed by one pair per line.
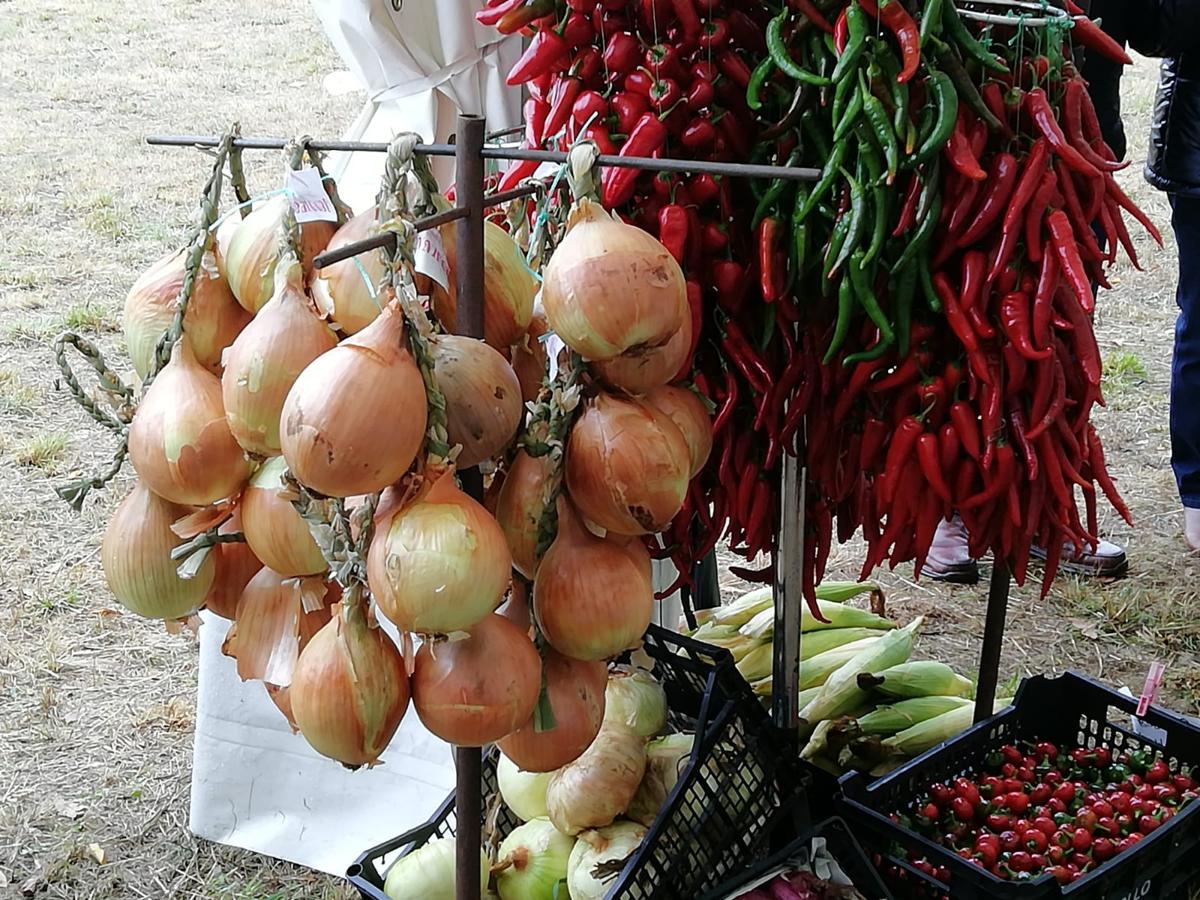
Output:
x,y
948,559
1105,560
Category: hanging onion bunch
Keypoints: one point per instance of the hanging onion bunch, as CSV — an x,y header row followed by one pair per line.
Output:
x,y
355,417
348,291
691,417
249,261
483,397
610,288
349,689
508,288
476,690
136,557
438,564
180,442
213,318
234,565
597,787
592,596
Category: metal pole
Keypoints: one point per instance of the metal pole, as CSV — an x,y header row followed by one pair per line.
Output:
x,y
468,188
789,594
993,637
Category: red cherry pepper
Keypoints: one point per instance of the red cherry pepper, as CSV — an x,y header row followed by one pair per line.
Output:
x,y
629,108
547,52
622,54
700,95
598,133
689,19
577,30
713,238
729,278
673,230
704,189
535,112
589,105
640,82
589,67
714,34
734,68
665,62
665,93
646,138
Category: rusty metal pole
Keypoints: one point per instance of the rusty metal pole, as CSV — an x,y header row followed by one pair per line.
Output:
x,y
468,193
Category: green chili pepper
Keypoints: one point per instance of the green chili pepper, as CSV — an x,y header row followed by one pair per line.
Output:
x,y
869,153
814,132
857,216
864,291
841,97
857,29
770,198
849,117
829,173
757,79
946,100
880,205
842,328
925,229
963,82
931,20
927,288
882,129
779,54
930,189
958,33
904,290
875,351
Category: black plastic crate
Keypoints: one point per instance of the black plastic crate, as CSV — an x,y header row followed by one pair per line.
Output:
x,y
842,845
718,819
1071,709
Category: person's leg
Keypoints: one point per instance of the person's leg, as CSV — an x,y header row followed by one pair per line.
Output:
x,y
1185,365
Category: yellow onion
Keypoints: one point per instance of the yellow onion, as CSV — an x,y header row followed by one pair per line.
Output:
x,y
508,288
597,787
516,607
474,691
592,596
275,531
355,418
347,291
642,369
690,415
213,318
268,357
483,397
136,557
523,792
235,565
222,239
276,618
599,853
575,690
249,261
611,287
349,689
438,564
529,362
179,442
427,872
519,508
532,862
627,465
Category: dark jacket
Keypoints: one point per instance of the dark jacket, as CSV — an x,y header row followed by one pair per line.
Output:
x,y
1171,29
1104,76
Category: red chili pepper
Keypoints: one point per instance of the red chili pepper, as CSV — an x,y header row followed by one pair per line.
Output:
x,y
908,209
1088,248
1122,199
875,433
516,173
493,14
700,134
729,278
673,230
974,272
931,395
1092,37
703,188
841,33
1062,239
961,327
622,54
770,276
1039,110
906,373
958,151
734,68
893,15
929,457
863,373
547,52
689,19
588,105
1049,404
1100,473
577,30
958,213
1016,369
903,441
562,101
516,18
1043,302
735,133
1015,322
1073,122
1035,213
993,99
1002,178
1016,422
1001,478
949,447
648,136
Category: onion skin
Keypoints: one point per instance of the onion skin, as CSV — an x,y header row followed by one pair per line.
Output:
x,y
267,358
235,565
609,844
576,693
349,690
627,465
439,564
519,508
475,691
508,288
213,318
516,607
483,397
611,287
341,290
635,699
597,787
691,417
272,625
536,855
275,531
249,260
136,557
593,597
427,873
179,442
530,363
355,418
642,369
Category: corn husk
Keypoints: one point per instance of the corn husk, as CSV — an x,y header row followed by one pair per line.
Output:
x,y
924,735
920,678
903,714
817,642
816,671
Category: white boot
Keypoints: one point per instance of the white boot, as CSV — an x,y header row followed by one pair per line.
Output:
x,y
1191,527
949,558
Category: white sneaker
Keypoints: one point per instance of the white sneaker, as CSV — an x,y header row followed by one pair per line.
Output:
x,y
1191,527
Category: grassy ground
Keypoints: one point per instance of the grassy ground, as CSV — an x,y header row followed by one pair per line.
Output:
x,y
96,708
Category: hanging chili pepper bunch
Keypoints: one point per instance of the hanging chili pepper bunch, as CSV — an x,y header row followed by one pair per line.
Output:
x,y
977,398
670,77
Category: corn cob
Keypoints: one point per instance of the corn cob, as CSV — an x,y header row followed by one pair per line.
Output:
x,y
907,713
758,663
817,642
841,691
922,678
920,737
815,672
728,637
841,616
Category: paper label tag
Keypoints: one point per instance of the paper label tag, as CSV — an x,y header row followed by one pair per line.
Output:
x,y
429,257
310,203
554,345
1154,680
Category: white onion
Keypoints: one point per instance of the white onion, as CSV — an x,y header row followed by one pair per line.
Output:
x,y
535,855
666,760
428,873
597,787
605,848
635,699
523,792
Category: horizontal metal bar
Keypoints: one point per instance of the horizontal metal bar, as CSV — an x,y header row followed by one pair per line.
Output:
x,y
731,169
386,238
